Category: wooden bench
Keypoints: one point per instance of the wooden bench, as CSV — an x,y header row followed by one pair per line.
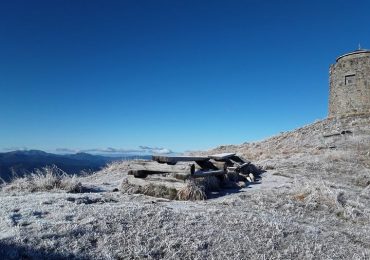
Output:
x,y
172,160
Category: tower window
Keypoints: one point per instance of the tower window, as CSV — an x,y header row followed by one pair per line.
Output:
x,y
350,79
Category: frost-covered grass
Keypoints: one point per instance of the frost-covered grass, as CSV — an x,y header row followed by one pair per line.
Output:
x,y
45,179
192,191
323,214
310,220
316,195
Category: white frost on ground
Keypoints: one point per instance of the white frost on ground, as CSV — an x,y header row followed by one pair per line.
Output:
x,y
313,203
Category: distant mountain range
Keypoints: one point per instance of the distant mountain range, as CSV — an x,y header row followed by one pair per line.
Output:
x,y
23,162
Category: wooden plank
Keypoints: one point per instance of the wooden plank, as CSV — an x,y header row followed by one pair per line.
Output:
x,y
243,165
176,159
200,173
221,156
338,133
239,160
156,180
226,157
331,134
222,165
180,176
143,173
207,165
237,168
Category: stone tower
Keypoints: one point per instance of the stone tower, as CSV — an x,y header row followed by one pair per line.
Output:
x,y
350,84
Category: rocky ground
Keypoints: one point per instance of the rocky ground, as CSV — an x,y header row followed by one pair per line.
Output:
x,y
313,202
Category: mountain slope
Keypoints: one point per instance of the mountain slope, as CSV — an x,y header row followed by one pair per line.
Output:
x,y
22,162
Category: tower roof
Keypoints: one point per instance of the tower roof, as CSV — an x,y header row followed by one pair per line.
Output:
x,y
359,51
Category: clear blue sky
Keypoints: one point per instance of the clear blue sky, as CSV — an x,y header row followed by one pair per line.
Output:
x,y
181,75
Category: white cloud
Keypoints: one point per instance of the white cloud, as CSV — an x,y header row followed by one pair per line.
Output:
x,y
141,150
66,150
110,150
159,150
118,151
9,149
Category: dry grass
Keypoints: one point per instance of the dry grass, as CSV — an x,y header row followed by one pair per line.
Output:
x,y
308,140
129,188
192,191
319,196
159,191
45,179
116,166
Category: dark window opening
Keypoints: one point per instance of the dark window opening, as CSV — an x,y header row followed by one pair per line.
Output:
x,y
350,79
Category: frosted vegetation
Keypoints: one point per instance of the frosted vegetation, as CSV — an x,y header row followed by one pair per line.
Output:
x,y
320,211
48,178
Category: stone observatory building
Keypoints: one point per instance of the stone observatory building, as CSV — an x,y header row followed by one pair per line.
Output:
x,y
350,84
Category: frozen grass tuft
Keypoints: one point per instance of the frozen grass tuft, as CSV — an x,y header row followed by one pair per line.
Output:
x,y
159,191
116,166
363,181
192,191
45,179
317,195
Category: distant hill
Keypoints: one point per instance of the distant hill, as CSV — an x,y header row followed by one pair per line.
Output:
x,y
23,162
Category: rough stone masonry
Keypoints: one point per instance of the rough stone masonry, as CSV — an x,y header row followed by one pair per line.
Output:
x,y
350,84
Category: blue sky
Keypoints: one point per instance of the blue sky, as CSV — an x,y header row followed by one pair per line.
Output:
x,y
179,75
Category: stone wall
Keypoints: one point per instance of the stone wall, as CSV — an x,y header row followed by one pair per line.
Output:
x,y
350,85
